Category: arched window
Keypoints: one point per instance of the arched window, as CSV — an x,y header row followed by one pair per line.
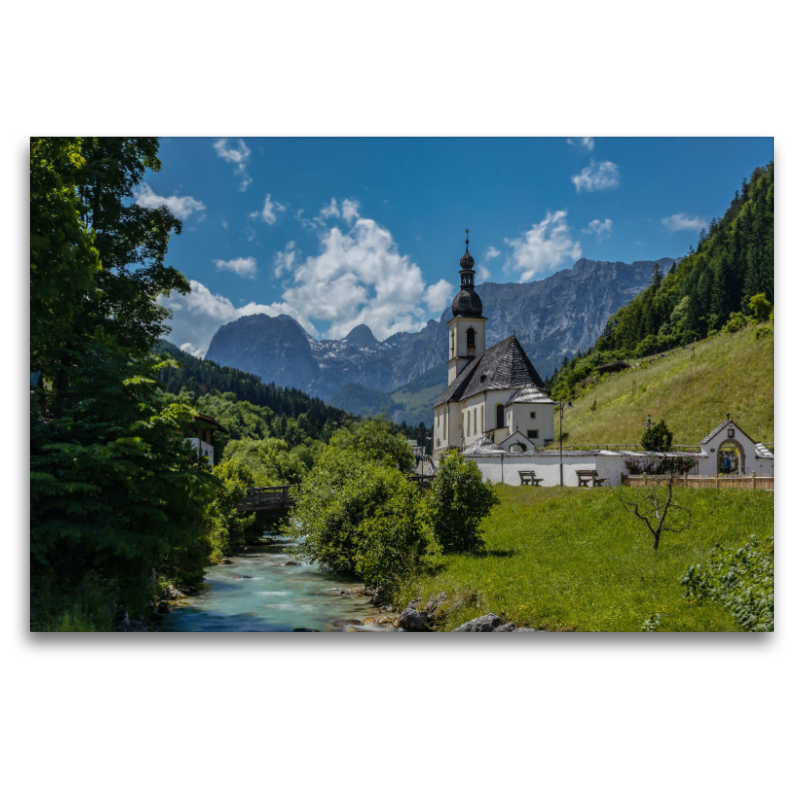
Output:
x,y
470,341
500,413
452,343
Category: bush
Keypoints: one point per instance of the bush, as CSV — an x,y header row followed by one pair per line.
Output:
x,y
229,529
657,438
360,517
760,307
742,580
736,322
456,504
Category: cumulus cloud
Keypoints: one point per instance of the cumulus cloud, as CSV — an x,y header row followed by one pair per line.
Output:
x,y
492,252
597,176
358,276
683,222
331,210
544,247
602,229
181,207
238,156
584,141
284,259
438,295
197,316
483,274
243,267
268,212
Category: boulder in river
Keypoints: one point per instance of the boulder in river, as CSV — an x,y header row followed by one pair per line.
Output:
x,y
488,623
414,620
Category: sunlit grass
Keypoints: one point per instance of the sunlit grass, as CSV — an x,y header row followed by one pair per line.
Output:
x,y
691,390
574,559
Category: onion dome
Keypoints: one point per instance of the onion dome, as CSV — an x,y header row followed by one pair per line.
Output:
x,y
467,303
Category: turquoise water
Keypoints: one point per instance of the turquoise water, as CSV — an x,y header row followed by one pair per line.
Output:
x,y
259,592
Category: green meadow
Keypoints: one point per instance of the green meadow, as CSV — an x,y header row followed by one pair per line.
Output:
x,y
574,559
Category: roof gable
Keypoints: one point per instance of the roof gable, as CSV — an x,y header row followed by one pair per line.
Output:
x,y
503,366
728,423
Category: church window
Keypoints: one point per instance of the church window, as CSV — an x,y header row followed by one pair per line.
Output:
x,y
500,413
483,423
475,420
470,341
468,430
452,343
533,415
533,434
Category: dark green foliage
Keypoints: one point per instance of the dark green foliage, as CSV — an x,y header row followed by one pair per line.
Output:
x,y
200,378
741,579
115,492
456,504
230,530
657,438
733,261
358,513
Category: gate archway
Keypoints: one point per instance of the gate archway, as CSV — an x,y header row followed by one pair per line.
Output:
x,y
730,458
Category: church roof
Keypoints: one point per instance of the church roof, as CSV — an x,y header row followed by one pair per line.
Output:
x,y
504,366
482,447
530,394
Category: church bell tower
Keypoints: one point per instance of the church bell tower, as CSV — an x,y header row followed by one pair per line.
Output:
x,y
467,334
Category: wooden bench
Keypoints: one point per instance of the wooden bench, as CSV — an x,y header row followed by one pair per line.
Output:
x,y
528,478
589,477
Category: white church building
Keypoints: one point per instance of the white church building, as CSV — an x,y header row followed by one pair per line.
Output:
x,y
496,411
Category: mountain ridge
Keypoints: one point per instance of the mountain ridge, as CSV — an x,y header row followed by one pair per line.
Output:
x,y
554,318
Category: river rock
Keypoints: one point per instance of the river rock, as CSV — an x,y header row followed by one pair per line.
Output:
x,y
433,607
290,564
171,593
343,623
414,620
488,623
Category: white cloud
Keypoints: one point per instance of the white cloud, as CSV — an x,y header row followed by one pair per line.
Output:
x,y
181,207
597,176
483,274
683,222
584,141
601,229
491,253
545,246
358,276
284,260
438,295
238,156
331,210
268,212
197,316
350,210
243,267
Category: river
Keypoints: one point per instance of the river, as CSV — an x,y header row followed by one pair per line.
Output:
x,y
259,591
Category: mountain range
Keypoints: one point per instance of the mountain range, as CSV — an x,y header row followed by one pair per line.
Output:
x,y
553,317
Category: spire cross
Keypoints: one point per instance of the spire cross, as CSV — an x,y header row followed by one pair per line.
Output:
x,y
467,232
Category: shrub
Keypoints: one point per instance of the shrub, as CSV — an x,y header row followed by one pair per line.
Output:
x,y
359,517
742,580
760,307
736,322
657,438
456,504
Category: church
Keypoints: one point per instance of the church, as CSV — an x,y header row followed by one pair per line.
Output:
x,y
493,394
496,411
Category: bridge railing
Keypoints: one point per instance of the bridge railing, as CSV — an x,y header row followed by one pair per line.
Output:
x,y
268,497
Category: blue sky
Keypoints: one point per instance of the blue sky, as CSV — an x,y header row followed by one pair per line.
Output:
x,y
343,231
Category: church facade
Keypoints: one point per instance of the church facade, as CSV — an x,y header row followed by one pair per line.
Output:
x,y
494,394
496,411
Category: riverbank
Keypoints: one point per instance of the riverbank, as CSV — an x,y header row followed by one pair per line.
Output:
x,y
268,588
565,559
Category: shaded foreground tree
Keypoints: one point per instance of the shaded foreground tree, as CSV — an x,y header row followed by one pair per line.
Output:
x,y
652,505
657,438
456,504
115,492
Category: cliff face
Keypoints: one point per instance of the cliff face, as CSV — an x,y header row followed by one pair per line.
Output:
x,y
553,317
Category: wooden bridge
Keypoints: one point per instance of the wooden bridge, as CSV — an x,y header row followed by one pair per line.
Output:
x,y
267,498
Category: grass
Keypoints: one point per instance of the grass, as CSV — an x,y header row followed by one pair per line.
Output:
x,y
691,390
574,559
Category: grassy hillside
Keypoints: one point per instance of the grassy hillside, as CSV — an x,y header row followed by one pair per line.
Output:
x,y
574,559
691,389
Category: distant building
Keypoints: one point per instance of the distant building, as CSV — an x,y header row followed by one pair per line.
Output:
x,y
494,393
203,440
